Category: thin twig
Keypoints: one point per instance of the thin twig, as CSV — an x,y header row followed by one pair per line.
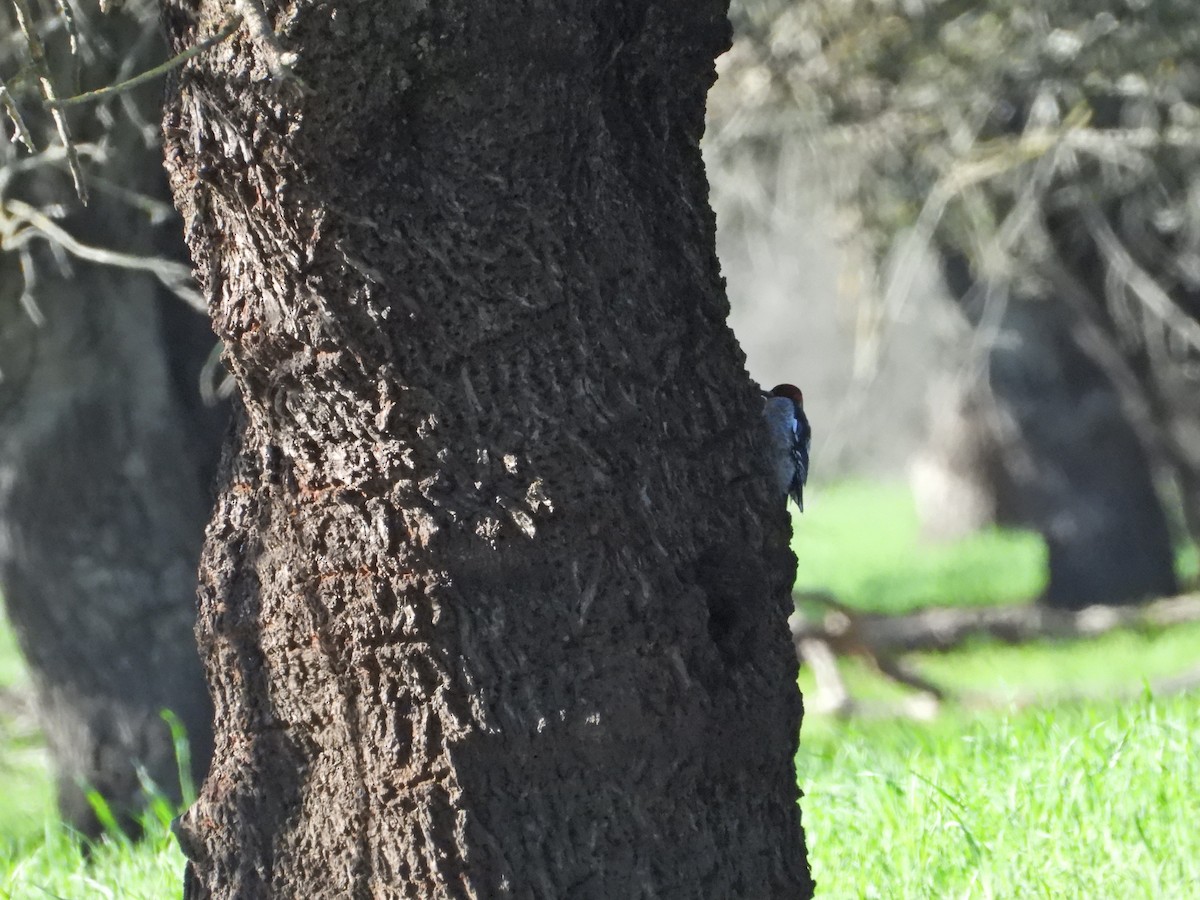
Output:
x,y
150,74
68,17
216,384
1141,282
156,210
23,133
28,283
53,155
135,59
38,57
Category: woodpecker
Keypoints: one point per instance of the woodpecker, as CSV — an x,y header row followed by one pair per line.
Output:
x,y
791,437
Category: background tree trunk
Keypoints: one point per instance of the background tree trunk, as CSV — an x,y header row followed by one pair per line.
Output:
x,y
106,455
1073,467
958,478
494,601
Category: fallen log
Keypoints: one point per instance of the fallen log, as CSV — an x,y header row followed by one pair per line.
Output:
x,y
880,639
851,632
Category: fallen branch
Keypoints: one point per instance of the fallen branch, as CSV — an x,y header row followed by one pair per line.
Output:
x,y
880,640
850,632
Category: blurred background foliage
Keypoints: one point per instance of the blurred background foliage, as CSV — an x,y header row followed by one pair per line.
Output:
x,y
1011,188
971,112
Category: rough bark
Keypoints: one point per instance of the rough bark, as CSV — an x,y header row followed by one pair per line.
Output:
x,y
102,498
1073,466
494,600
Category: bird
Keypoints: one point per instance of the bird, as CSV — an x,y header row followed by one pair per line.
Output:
x,y
791,438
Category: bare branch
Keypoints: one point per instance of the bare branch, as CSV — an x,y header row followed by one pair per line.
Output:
x,y
279,61
54,155
150,74
176,277
156,210
38,56
1143,285
68,17
23,134
28,283
849,632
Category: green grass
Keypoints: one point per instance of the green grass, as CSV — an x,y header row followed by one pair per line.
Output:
x,y
1041,798
860,542
1080,799
61,865
26,800
1086,801
13,674
42,859
25,793
1188,564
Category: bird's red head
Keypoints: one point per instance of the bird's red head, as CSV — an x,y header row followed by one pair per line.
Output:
x,y
790,391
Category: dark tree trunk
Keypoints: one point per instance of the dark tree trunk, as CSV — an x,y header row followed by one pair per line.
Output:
x,y
1073,468
1155,360
102,498
494,601
102,514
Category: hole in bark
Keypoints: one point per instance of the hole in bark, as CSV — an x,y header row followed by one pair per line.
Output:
x,y
386,598
720,622
732,583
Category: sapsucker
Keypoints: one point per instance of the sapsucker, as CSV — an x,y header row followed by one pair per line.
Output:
x,y
790,439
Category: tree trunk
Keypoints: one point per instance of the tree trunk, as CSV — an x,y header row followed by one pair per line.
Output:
x,y
494,601
102,498
958,477
1074,468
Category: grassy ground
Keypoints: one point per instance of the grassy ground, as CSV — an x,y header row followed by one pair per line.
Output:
x,y
25,800
40,859
1075,799
58,866
1089,801
1044,798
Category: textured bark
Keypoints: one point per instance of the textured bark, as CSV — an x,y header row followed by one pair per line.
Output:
x,y
1074,468
102,497
494,601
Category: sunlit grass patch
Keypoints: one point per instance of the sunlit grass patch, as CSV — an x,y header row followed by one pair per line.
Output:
x,y
860,542
41,858
26,798
1089,800
986,673
13,674
61,864
1188,565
